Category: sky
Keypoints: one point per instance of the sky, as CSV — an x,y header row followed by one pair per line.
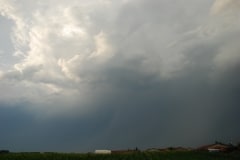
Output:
x,y
80,75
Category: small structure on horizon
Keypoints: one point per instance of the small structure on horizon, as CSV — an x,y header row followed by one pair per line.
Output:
x,y
152,150
216,148
102,151
213,150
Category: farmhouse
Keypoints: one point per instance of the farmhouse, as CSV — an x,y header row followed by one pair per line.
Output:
x,y
216,148
102,152
153,150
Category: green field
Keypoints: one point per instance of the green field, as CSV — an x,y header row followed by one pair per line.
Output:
x,y
190,155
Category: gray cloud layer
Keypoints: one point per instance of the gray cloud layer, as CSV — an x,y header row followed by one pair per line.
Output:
x,y
119,74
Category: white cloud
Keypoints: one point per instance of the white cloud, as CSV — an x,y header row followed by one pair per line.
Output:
x,y
226,16
56,46
103,49
223,6
67,47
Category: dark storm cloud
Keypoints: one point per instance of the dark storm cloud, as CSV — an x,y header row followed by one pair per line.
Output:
x,y
125,74
184,111
187,111
25,132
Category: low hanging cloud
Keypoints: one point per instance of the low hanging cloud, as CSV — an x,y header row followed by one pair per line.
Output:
x,y
120,74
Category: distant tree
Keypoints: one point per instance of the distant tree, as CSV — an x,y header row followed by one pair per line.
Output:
x,y
171,148
238,145
4,151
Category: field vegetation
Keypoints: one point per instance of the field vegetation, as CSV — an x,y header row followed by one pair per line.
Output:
x,y
174,155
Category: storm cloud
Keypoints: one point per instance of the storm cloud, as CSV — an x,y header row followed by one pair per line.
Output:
x,y
81,75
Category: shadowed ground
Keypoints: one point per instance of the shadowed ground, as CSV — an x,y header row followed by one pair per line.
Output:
x,y
190,155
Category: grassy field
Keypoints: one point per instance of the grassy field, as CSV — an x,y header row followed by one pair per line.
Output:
x,y
131,156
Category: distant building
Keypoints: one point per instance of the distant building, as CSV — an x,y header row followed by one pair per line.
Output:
x,y
213,150
216,148
103,152
153,150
